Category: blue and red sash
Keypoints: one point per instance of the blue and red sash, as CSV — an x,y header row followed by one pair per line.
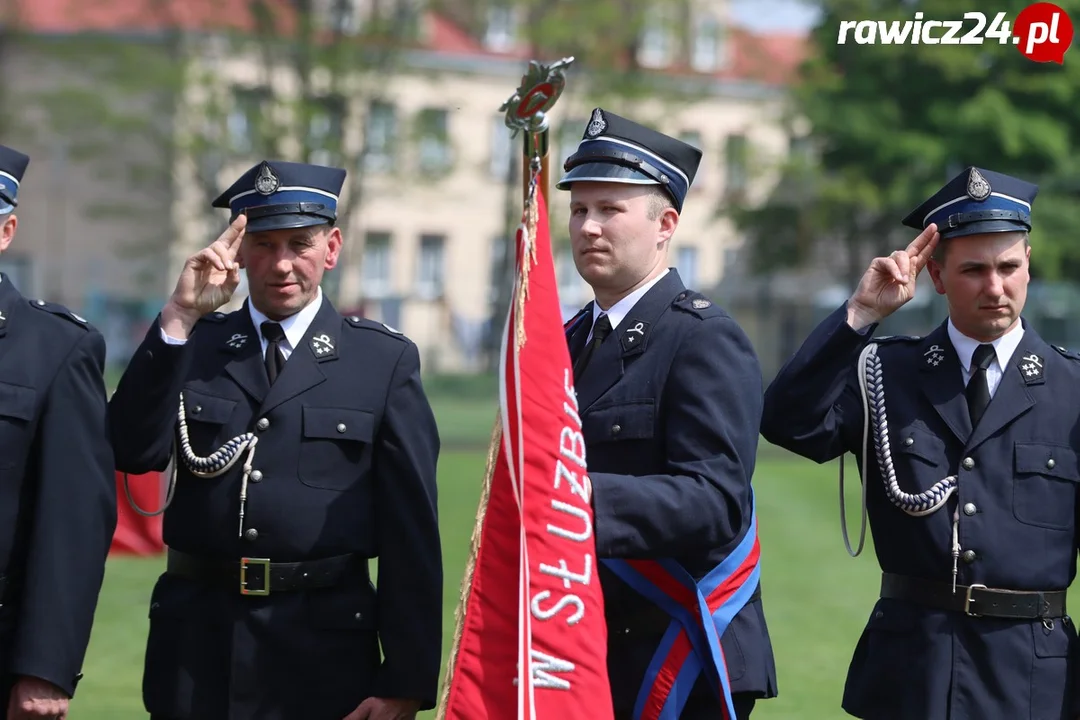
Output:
x,y
689,646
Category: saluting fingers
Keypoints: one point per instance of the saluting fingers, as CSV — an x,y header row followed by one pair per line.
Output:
x,y
924,242
888,267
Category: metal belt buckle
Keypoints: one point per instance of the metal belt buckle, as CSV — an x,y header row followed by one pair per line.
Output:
x,y
264,563
967,600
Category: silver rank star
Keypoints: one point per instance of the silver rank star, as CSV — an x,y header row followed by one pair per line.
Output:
x,y
322,344
934,355
1031,365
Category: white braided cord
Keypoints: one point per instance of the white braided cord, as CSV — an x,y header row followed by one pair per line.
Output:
x,y
217,463
872,391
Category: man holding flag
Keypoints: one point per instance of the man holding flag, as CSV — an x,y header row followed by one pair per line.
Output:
x,y
669,392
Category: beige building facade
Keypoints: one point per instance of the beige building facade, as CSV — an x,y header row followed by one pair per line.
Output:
x,y
439,178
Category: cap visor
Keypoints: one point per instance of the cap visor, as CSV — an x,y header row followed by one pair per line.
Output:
x,y
604,172
283,222
984,226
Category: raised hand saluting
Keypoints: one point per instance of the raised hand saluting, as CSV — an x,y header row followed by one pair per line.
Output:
x,y
889,282
207,282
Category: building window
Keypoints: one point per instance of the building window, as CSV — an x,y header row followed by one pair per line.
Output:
x,y
434,136
570,135
501,33
430,268
380,137
502,148
244,123
657,38
566,276
500,274
736,163
325,131
18,269
686,262
693,137
344,17
705,56
376,264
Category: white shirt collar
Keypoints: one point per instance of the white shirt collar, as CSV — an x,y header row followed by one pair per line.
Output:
x,y
1004,346
617,312
294,326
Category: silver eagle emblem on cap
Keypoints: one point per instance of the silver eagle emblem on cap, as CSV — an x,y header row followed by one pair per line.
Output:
x,y
266,182
597,124
978,187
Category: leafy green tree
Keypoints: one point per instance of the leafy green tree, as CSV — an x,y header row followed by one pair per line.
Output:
x,y
890,124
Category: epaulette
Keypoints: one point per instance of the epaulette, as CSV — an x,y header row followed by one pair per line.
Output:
x,y
365,324
1071,354
696,304
887,339
62,311
214,317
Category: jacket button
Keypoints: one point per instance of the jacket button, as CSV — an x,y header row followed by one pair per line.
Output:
x,y
262,424
1050,463
615,429
969,556
909,441
359,617
256,476
251,534
970,509
341,427
968,463
196,410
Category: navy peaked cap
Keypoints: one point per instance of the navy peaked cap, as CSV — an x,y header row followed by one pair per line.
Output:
x,y
977,201
13,165
614,149
278,195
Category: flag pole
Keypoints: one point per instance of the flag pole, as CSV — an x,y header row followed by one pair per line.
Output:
x,y
526,111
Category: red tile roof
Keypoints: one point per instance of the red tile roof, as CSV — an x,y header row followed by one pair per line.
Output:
x,y
772,59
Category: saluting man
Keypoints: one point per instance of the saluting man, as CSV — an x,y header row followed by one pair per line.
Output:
x,y
305,446
57,486
969,465
670,394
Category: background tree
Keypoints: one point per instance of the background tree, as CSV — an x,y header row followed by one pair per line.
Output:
x,y
890,124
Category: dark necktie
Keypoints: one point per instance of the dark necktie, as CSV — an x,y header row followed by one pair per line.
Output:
x,y
600,330
978,390
274,359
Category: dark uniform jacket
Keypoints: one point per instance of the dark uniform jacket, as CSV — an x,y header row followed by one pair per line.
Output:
x,y
57,489
345,464
1016,504
670,406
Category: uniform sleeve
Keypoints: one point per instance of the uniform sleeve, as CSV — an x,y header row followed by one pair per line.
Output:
x,y
410,580
813,406
142,411
712,411
74,518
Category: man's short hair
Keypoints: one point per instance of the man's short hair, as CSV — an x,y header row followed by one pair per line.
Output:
x,y
659,201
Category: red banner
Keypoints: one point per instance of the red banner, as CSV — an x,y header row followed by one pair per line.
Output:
x,y
531,641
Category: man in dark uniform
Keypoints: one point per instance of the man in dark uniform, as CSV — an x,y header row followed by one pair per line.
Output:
x,y
57,487
669,389
305,447
969,466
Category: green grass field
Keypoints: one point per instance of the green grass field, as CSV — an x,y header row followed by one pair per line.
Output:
x,y
816,597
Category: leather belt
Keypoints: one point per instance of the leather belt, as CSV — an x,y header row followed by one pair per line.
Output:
x,y
258,576
975,600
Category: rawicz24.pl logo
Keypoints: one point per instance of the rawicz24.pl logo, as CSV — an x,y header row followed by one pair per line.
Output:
x,y
1042,32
